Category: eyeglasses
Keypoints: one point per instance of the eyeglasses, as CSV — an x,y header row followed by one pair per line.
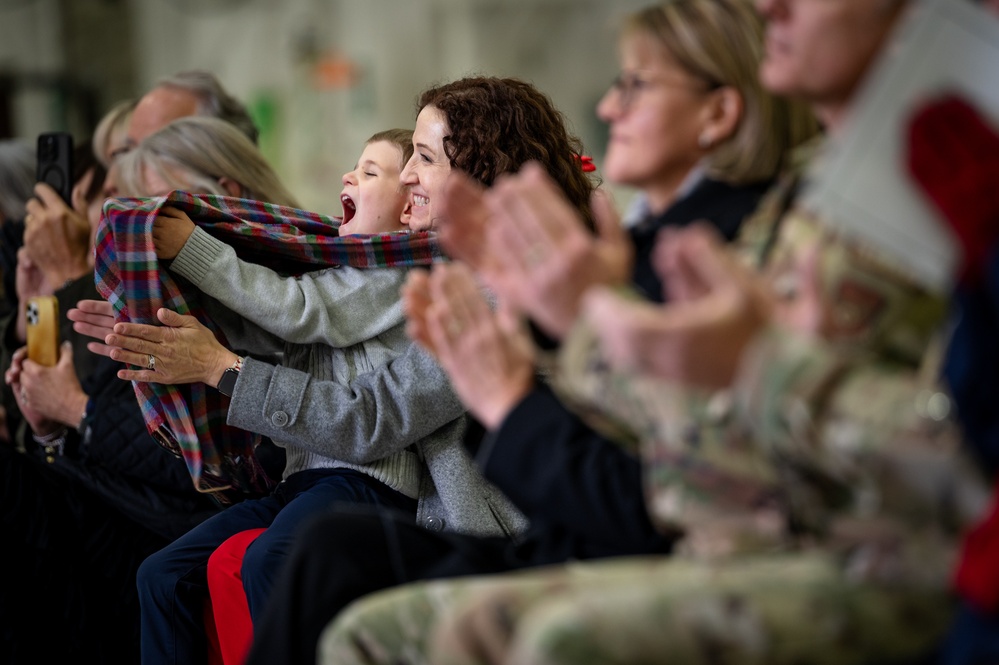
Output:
x,y
119,151
629,86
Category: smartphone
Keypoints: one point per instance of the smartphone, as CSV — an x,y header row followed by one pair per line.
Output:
x,y
43,330
55,163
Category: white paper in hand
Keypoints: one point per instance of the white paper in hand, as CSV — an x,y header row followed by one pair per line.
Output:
x,y
862,186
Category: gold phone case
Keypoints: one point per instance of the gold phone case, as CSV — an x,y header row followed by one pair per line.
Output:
x,y
43,330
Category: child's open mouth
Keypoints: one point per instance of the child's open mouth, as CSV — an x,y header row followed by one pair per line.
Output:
x,y
349,209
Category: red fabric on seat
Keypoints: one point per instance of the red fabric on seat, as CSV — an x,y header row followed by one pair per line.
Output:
x,y
230,611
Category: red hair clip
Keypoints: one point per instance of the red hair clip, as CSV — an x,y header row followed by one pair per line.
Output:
x,y
585,163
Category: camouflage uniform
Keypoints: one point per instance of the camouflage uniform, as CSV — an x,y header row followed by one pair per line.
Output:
x,y
819,499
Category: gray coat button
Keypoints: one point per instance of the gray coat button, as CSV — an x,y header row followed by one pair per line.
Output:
x,y
279,419
434,524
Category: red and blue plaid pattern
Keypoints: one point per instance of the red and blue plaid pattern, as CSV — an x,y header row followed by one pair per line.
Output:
x,y
190,419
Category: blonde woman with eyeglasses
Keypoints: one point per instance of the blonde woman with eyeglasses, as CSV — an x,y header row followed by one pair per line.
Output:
x,y
690,126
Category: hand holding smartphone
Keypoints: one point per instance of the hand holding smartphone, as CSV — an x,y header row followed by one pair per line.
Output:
x,y
55,163
43,330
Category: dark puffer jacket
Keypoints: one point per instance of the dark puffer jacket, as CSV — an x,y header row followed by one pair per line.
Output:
x,y
117,459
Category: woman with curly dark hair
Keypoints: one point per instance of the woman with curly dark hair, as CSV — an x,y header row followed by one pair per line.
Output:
x,y
487,127
491,126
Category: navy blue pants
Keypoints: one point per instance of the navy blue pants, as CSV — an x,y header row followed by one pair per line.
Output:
x,y
973,638
173,584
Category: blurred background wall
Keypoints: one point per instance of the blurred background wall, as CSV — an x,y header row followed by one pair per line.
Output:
x,y
319,76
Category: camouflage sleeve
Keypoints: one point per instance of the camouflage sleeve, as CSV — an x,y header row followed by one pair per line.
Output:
x,y
878,433
806,425
807,398
692,470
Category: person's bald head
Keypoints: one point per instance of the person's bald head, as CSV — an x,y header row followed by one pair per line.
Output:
x,y
184,94
187,93
154,111
158,108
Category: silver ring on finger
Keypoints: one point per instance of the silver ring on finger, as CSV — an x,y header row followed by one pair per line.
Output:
x,y
454,327
151,363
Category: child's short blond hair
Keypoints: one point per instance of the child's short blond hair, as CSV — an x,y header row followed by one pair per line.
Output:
x,y
401,137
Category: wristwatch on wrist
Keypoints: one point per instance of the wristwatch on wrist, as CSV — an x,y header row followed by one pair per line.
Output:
x,y
227,384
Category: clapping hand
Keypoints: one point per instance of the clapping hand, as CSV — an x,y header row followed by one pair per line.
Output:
x,y
530,245
487,355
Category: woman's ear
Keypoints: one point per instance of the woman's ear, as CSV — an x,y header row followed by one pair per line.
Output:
x,y
231,187
721,116
407,214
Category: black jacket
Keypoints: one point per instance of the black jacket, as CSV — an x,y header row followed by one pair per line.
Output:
x,y
581,492
117,459
722,205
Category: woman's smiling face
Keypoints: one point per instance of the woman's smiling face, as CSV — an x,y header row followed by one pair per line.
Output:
x,y
428,168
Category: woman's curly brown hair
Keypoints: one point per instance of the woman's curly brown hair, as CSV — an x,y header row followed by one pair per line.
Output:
x,y
496,125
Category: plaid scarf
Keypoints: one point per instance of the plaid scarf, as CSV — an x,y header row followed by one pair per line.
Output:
x,y
189,420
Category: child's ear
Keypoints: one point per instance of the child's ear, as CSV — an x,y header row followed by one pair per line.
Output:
x,y
231,187
407,214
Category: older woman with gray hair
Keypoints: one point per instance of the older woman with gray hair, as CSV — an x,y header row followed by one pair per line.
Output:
x,y
204,155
